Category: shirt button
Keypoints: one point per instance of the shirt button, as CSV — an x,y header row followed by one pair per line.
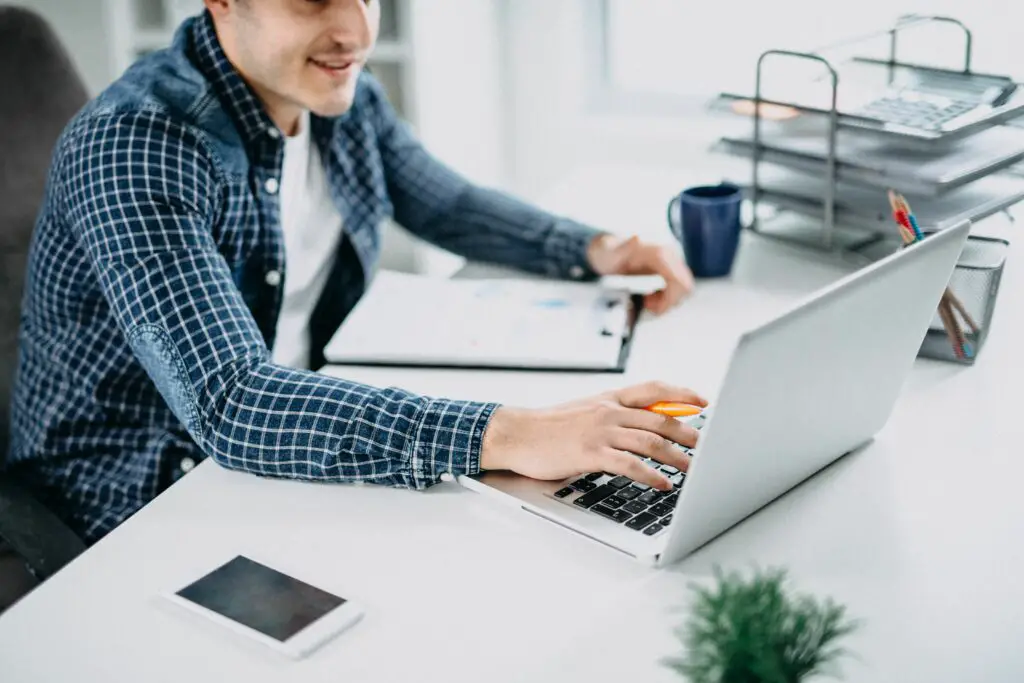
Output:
x,y
274,133
576,272
187,465
273,278
271,186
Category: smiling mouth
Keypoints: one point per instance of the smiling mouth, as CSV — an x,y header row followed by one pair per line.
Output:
x,y
334,66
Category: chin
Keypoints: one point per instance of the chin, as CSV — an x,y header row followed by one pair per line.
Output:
x,y
332,106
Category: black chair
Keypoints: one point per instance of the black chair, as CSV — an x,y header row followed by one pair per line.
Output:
x,y
40,91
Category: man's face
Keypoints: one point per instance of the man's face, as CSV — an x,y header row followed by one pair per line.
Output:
x,y
299,54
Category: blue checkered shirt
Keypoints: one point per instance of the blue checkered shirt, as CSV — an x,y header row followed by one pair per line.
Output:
x,y
149,313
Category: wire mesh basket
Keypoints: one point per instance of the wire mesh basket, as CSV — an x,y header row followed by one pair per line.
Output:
x,y
961,323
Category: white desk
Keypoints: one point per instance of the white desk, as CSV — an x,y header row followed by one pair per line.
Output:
x,y
919,534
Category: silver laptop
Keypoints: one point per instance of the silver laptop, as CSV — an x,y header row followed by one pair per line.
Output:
x,y
837,362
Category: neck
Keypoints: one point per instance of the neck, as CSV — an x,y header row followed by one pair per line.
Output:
x,y
285,115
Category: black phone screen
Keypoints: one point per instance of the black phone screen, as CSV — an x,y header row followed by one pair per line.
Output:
x,y
261,598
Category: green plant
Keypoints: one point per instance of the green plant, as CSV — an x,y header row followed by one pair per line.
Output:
x,y
751,631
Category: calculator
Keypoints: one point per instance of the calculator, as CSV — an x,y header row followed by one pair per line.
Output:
x,y
935,100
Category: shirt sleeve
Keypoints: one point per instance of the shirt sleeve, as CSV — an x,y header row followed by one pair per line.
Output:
x,y
436,203
144,199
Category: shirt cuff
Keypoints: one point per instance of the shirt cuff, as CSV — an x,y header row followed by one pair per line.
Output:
x,y
566,250
449,440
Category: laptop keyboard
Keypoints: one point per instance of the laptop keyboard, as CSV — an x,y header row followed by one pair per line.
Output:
x,y
634,505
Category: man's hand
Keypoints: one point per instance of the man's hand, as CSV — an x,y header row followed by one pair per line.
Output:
x,y
609,255
598,434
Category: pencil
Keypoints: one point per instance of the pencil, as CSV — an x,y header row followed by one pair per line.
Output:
x,y
910,231
952,300
965,344
950,324
892,201
959,306
905,205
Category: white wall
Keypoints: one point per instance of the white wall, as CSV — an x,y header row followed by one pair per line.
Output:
x,y
559,127
81,26
460,107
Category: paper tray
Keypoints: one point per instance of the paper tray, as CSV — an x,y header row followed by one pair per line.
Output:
x,y
869,208
870,161
857,78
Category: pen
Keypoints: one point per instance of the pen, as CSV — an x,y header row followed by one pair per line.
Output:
x,y
672,409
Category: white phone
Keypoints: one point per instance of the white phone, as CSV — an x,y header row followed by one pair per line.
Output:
x,y
278,610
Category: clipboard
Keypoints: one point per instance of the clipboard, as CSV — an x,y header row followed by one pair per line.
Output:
x,y
507,324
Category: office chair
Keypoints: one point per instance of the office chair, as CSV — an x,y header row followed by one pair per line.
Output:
x,y
40,92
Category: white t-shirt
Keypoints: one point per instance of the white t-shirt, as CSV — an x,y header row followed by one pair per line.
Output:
x,y
312,228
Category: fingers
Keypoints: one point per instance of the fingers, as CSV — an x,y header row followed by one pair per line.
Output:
x,y
651,259
628,465
643,395
662,426
634,257
651,445
678,281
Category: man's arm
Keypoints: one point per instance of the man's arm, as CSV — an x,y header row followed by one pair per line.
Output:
x,y
142,196
442,207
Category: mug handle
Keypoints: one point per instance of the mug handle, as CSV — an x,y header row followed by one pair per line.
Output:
x,y
672,224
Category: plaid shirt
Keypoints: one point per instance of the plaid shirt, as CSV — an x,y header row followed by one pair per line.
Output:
x,y
155,280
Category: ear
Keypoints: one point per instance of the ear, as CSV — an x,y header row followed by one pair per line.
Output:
x,y
218,8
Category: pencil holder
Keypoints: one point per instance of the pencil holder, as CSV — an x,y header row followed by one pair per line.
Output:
x,y
961,323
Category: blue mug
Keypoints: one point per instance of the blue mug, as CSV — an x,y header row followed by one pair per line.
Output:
x,y
708,227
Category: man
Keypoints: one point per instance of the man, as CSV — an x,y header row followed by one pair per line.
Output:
x,y
209,222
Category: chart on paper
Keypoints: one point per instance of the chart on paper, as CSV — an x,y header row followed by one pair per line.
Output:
x,y
509,323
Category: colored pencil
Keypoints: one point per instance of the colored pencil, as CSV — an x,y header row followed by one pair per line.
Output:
x,y
950,304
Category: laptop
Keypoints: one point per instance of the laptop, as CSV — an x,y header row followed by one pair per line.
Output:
x,y
836,362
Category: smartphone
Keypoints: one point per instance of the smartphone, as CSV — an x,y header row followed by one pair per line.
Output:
x,y
266,605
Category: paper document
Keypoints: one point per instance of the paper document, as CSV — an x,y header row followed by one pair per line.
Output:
x,y
508,323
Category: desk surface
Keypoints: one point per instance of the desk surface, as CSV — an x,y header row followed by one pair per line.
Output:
x,y
919,535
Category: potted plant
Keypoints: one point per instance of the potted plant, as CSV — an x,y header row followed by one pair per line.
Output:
x,y
749,630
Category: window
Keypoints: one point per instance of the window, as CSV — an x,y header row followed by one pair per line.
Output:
x,y
695,49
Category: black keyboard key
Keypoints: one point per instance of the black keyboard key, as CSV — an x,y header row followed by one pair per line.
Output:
x,y
666,521
628,493
613,502
635,506
619,516
653,529
668,469
595,496
676,479
641,487
671,499
649,497
594,476
619,482
562,493
641,520
661,509
583,485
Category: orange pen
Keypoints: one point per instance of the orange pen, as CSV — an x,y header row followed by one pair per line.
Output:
x,y
672,409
